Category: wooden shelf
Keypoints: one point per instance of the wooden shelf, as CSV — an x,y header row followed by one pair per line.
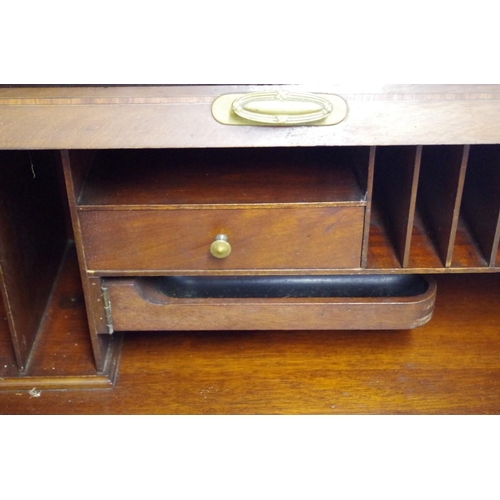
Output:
x,y
139,179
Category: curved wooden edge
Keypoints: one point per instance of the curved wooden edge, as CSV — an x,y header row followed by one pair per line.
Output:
x,y
136,308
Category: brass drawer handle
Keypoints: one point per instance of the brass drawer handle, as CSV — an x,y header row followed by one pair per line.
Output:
x,y
220,248
282,107
279,108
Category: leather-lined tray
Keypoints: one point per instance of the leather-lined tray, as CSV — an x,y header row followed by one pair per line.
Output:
x,y
270,302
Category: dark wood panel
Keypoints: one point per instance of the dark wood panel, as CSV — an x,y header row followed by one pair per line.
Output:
x,y
364,165
82,162
424,253
62,357
381,253
76,165
261,239
481,199
7,357
32,240
466,253
395,191
442,175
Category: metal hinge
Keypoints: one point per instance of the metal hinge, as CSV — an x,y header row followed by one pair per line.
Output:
x,y
107,309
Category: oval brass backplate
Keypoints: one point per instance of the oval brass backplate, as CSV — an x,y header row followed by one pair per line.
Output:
x,y
279,108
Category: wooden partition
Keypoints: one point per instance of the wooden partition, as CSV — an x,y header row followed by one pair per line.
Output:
x,y
76,166
363,159
44,337
395,192
481,204
7,357
441,183
436,208
31,249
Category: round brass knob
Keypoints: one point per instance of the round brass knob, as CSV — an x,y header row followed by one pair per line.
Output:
x,y
220,248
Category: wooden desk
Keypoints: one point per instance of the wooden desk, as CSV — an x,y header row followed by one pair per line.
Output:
x,y
426,162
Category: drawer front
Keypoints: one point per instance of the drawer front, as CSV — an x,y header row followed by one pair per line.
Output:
x,y
171,240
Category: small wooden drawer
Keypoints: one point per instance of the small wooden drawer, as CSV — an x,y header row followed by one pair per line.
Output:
x,y
270,303
145,241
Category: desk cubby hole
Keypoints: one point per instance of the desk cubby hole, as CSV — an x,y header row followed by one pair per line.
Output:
x,y
436,208
396,173
34,236
230,176
481,200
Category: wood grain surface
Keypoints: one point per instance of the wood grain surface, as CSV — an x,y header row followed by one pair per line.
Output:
x,y
246,176
449,366
138,305
30,249
158,117
136,242
62,355
442,175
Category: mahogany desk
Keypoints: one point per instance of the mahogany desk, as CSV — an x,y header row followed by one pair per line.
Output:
x,y
142,180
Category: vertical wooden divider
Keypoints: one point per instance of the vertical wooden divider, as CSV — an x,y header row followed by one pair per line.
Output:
x,y
76,165
481,198
442,176
364,164
32,242
397,170
7,356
